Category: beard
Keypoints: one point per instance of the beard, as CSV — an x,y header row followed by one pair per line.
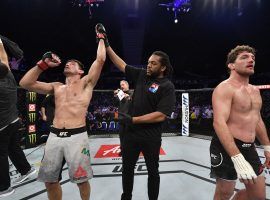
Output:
x,y
246,73
154,74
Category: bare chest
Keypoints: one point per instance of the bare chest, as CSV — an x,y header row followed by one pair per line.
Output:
x,y
72,93
247,99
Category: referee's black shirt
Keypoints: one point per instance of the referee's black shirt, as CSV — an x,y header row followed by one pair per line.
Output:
x,y
150,95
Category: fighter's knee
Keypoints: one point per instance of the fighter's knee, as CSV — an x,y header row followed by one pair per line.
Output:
x,y
51,186
86,183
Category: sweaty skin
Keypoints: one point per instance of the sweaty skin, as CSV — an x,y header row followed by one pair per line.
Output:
x,y
71,103
245,108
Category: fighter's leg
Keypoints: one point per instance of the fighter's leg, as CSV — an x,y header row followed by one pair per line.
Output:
x,y
224,189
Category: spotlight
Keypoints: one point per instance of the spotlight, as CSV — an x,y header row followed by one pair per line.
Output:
x,y
175,21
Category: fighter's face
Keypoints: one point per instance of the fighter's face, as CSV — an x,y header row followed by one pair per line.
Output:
x,y
73,68
124,86
244,64
154,67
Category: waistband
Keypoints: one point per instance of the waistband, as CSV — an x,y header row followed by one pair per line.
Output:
x,y
239,143
67,132
242,144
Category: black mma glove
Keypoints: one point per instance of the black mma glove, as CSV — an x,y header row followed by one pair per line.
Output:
x,y
12,47
101,34
124,118
42,64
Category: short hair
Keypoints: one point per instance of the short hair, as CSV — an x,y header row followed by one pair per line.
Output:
x,y
78,62
125,82
165,61
232,55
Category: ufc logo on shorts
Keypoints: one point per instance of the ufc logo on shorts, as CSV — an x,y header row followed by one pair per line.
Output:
x,y
63,134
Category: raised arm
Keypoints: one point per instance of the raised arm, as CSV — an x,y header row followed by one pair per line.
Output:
x,y
3,54
4,67
95,69
117,61
29,81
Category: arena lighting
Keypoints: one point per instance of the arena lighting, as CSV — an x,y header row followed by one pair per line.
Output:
x,y
177,6
87,3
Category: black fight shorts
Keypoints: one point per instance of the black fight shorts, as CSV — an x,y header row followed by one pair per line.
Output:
x,y
222,165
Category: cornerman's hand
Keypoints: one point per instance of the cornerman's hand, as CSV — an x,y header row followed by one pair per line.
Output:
x,y
243,169
49,59
124,118
101,34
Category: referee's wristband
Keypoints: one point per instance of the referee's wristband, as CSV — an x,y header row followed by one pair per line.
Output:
x,y
1,41
266,148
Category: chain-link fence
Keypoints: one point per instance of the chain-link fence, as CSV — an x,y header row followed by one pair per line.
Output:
x,y
102,114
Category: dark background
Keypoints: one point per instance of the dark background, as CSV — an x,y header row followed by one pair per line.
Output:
x,y
197,44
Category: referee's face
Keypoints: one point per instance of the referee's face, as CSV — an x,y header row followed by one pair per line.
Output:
x,y
154,67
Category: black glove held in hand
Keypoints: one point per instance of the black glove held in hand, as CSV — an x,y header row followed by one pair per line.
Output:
x,y
42,64
124,118
101,34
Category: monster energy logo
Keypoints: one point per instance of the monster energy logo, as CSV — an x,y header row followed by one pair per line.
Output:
x,y
32,96
32,138
32,117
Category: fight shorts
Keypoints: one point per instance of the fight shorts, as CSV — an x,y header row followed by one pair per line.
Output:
x,y
222,165
71,144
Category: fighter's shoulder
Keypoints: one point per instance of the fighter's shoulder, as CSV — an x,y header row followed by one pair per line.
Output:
x,y
225,87
254,87
57,84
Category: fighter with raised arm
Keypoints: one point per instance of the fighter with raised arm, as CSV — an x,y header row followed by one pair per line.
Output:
x,y
68,137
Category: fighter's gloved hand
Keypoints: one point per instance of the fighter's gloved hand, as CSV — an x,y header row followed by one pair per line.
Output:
x,y
101,34
49,59
243,169
12,47
3,70
124,118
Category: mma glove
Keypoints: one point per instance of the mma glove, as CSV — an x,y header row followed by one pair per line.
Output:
x,y
243,168
42,64
101,34
12,47
124,118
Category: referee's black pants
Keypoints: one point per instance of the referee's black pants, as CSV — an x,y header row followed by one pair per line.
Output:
x,y
130,154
